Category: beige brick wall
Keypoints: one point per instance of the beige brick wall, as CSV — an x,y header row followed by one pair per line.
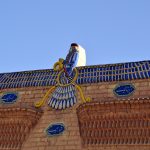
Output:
x,y
70,139
104,91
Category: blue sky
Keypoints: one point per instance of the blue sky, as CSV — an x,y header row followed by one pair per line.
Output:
x,y
35,33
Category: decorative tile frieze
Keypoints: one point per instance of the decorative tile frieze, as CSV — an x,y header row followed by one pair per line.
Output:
x,y
87,74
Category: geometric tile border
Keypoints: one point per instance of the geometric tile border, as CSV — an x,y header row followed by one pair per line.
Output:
x,y
87,74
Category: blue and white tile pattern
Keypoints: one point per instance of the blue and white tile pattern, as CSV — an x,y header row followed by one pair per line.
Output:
x,y
87,74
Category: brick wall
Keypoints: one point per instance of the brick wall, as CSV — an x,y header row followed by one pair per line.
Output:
x,y
70,139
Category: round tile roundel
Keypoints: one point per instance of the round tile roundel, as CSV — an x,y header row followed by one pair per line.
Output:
x,y
55,129
9,98
122,90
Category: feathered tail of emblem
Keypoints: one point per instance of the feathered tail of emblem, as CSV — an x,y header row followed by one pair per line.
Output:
x,y
63,97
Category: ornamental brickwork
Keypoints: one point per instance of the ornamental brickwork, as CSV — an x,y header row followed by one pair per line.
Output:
x,y
115,123
117,116
15,126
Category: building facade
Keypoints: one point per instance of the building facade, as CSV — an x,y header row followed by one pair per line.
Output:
x,y
102,107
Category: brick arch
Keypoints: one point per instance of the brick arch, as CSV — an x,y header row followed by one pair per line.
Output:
x,y
118,122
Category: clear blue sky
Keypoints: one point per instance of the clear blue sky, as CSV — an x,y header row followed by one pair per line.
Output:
x,y
35,33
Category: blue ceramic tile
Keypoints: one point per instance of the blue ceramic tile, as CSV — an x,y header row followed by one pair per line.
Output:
x,y
95,69
126,66
110,72
133,65
85,80
110,78
148,73
117,77
146,65
133,76
116,67
107,79
101,69
126,76
117,71
55,129
126,71
130,76
138,75
143,67
120,77
98,79
113,68
122,90
129,70
9,98
107,68
141,74
110,67
114,78
81,80
46,78
140,68
101,79
123,77
136,69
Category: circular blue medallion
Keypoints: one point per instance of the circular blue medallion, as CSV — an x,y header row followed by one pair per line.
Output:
x,y
9,98
55,129
124,89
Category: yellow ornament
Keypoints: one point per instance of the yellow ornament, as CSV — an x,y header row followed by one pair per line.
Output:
x,y
58,65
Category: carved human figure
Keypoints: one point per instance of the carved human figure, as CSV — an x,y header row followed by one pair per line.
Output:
x,y
76,57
